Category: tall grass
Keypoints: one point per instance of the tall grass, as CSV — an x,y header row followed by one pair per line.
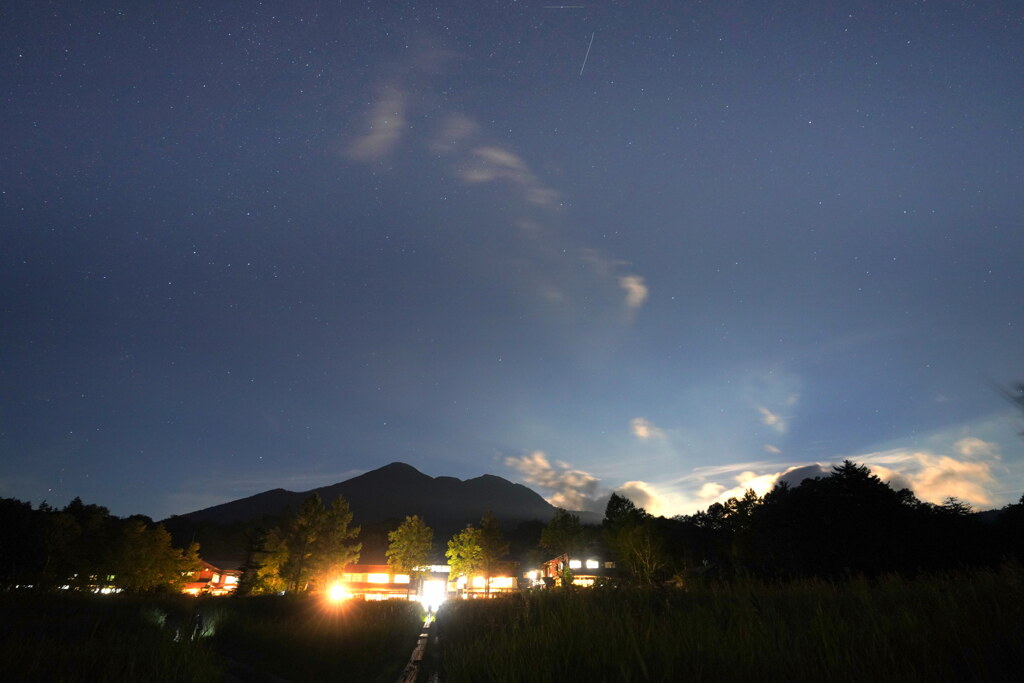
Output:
x,y
306,639
84,638
957,627
75,637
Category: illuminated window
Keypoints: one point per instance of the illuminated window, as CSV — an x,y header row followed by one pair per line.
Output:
x,y
401,578
609,565
230,579
593,564
461,582
501,582
478,582
575,564
532,576
215,578
377,578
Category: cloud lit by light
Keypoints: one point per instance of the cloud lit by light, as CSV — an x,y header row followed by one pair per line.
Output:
x,y
569,488
636,290
773,420
645,430
935,477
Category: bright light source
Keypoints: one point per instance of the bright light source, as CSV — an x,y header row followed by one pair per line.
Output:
x,y
433,594
478,582
532,576
378,578
401,578
593,564
575,564
338,592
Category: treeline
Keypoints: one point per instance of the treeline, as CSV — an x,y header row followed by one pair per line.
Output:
x,y
85,547
308,552
847,523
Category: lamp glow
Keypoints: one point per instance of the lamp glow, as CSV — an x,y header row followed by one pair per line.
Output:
x,y
433,594
338,592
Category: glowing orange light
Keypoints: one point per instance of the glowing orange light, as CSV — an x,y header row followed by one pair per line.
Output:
x,y
338,592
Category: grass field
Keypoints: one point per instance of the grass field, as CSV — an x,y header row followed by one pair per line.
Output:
x,y
72,638
964,627
308,640
957,627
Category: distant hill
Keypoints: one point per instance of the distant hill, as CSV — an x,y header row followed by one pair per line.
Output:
x,y
379,500
397,490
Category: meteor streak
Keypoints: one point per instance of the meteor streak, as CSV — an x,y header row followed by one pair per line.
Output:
x,y
587,55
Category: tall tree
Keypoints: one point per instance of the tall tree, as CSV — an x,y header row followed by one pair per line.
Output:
x,y
335,544
269,563
409,548
493,546
143,558
317,544
299,541
622,511
563,535
634,538
464,552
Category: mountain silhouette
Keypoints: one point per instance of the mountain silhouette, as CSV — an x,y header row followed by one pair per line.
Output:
x,y
397,490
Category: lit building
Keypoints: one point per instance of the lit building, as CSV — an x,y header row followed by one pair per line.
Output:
x,y
376,582
586,571
379,582
476,586
209,580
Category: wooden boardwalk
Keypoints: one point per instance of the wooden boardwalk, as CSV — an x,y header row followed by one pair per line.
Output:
x,y
412,669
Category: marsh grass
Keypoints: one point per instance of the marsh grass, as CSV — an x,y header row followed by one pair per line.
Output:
x,y
79,638
957,627
74,637
306,639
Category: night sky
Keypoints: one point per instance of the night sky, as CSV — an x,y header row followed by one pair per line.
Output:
x,y
673,249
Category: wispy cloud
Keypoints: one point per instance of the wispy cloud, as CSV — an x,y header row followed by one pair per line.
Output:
x,y
569,488
474,157
636,290
488,163
773,420
454,134
645,430
934,477
973,447
384,126
774,393
772,449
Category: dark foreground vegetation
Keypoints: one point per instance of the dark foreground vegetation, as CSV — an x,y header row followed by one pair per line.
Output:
x,y
849,523
73,637
952,627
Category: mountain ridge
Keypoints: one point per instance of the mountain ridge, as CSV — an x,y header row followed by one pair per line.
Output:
x,y
395,491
